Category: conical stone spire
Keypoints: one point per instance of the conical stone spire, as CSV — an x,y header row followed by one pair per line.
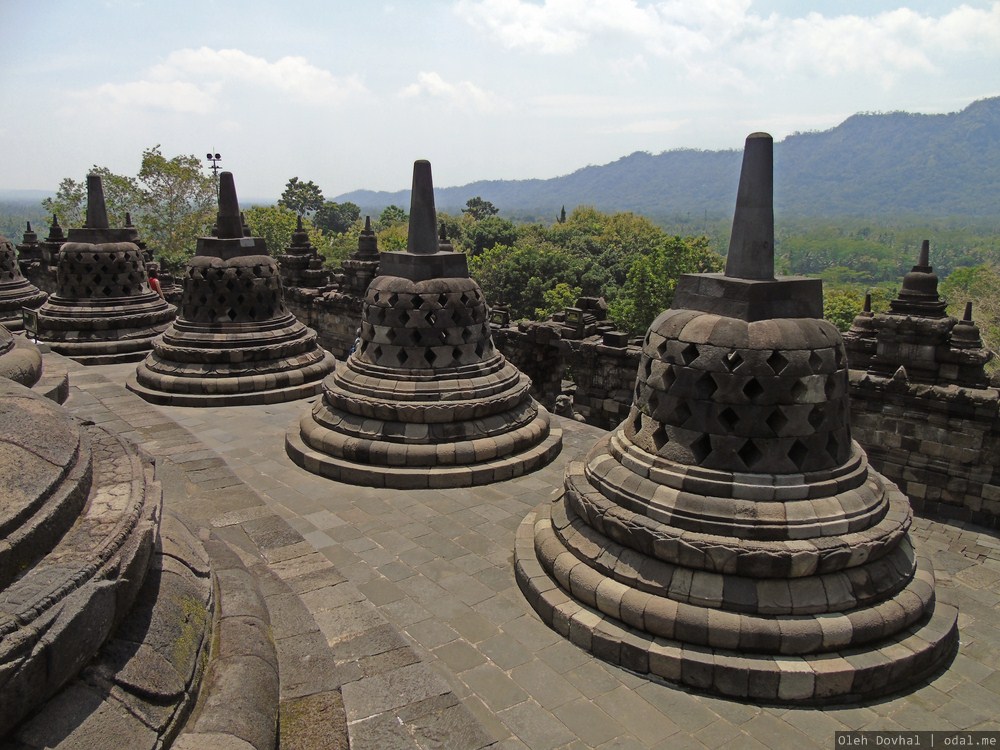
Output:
x,y
103,310
426,400
729,534
234,341
919,293
751,245
301,264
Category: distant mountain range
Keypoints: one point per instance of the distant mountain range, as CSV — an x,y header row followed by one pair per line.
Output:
x,y
871,164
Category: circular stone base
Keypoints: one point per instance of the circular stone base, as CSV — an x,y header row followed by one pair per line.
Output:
x,y
249,398
844,676
423,477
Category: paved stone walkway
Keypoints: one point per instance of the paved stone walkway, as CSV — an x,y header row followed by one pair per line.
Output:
x,y
437,564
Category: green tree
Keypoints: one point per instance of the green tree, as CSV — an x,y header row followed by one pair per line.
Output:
x,y
979,285
170,201
391,215
274,223
486,233
479,209
301,197
69,202
559,297
336,218
178,204
520,276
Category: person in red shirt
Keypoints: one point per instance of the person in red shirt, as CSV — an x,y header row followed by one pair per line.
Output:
x,y
154,282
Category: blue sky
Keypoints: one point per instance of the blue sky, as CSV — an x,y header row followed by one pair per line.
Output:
x,y
349,94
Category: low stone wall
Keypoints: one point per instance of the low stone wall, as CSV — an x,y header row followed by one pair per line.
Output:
x,y
940,444
335,317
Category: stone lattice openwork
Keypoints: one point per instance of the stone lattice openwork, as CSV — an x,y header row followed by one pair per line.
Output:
x,y
729,535
234,342
426,400
103,310
16,292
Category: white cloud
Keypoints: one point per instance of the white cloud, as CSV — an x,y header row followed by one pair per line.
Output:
x,y
190,81
462,95
726,40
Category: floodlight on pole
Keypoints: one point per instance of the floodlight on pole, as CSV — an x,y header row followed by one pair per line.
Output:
x,y
215,158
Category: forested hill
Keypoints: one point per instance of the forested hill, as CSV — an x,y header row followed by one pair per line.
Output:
x,y
871,164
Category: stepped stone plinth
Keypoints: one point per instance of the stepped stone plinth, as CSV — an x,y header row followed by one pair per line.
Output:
x,y
301,264
362,266
234,342
16,292
729,535
425,400
30,249
103,310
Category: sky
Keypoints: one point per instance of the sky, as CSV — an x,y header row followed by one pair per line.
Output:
x,y
349,94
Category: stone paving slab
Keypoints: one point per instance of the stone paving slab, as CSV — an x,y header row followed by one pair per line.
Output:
x,y
436,566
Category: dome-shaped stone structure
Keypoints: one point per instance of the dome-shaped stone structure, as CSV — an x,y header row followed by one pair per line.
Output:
x,y
103,310
426,400
234,342
16,292
729,534
20,360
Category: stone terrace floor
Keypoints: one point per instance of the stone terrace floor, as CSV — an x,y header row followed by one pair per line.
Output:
x,y
437,564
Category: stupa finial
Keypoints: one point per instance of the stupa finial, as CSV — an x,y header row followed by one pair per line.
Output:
x,y
422,237
97,210
368,224
230,222
751,247
925,255
868,303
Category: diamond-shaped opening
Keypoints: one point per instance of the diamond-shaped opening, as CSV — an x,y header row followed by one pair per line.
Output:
x,y
443,337
728,419
637,423
402,356
689,354
647,369
777,362
701,448
393,299
375,297
466,335
430,356
417,337
705,386
231,313
816,416
799,390
661,349
480,348
815,361
668,377
833,447
798,453
431,318
753,389
378,352
652,403
645,341
638,390
732,361
660,438
777,421
442,299
749,454
404,317
416,301
838,356
456,354
680,414
464,299
831,387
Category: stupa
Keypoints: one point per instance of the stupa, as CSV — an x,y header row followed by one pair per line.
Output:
x,y
16,292
30,249
301,264
425,400
362,265
234,342
729,535
103,310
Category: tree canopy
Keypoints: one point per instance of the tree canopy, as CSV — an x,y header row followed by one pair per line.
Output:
x,y
301,197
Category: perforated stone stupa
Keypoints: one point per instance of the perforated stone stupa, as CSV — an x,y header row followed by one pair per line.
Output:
x,y
301,264
234,342
729,535
16,292
426,400
103,310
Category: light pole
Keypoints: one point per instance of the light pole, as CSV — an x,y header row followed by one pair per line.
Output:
x,y
215,159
